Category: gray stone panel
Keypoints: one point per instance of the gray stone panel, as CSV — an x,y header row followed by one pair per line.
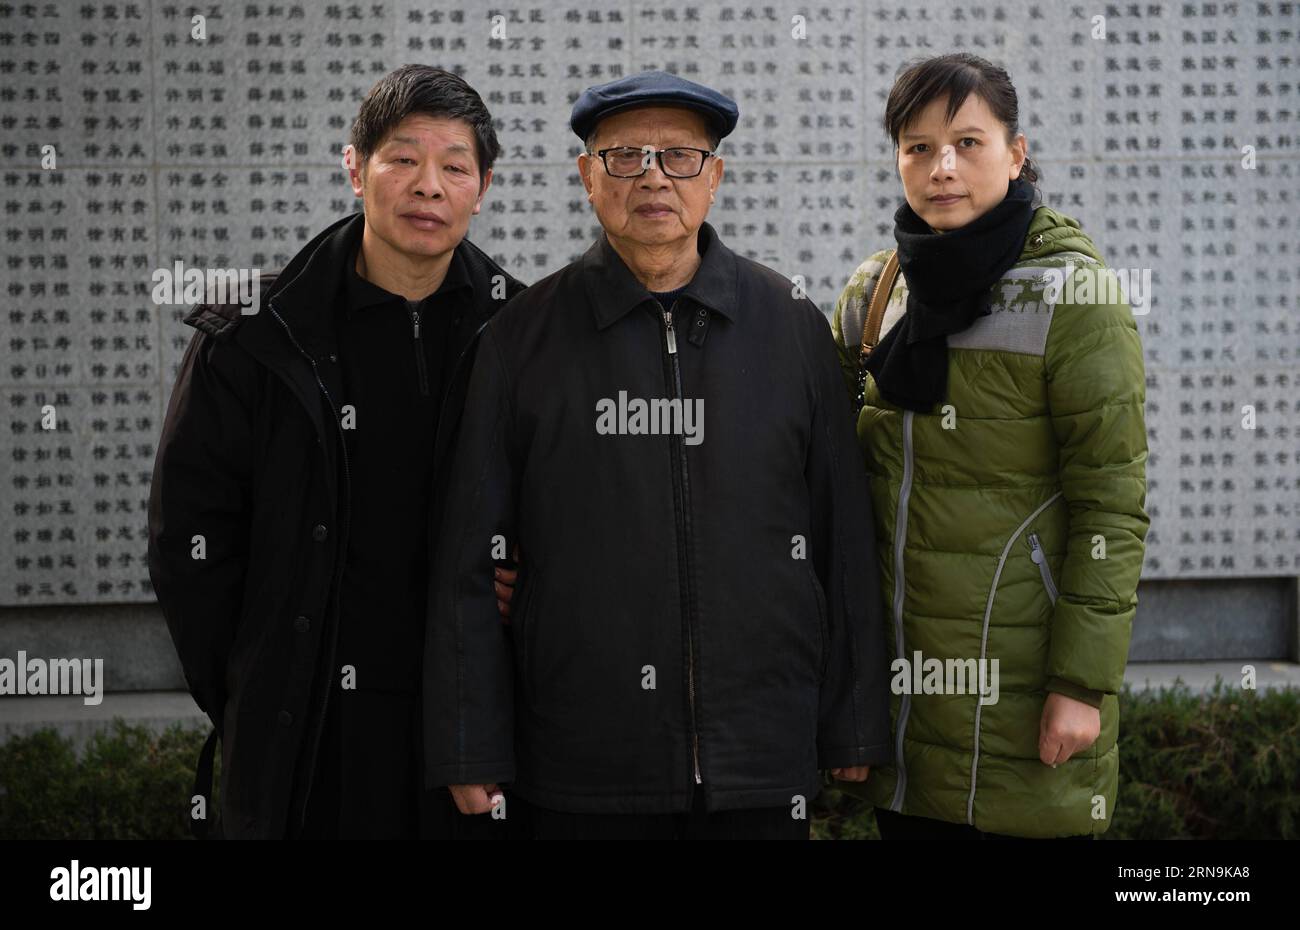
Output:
x,y
225,153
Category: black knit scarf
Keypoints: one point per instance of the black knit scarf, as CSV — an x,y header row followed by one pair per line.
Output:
x,y
949,277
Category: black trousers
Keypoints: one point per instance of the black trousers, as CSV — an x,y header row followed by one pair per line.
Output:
x,y
369,782
895,826
766,823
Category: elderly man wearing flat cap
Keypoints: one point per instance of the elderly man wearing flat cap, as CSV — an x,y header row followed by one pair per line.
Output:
x,y
662,428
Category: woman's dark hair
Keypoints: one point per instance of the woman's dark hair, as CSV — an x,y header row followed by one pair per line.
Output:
x,y
431,91
956,76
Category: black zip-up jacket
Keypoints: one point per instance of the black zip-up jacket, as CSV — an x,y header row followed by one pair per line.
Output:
x,y
692,602
251,458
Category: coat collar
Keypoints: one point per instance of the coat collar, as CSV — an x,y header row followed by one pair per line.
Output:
x,y
612,289
307,289
360,294
318,278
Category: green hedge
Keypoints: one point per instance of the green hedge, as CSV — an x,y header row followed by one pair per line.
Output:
x,y
1222,765
129,784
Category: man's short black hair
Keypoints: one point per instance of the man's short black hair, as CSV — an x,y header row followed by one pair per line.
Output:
x,y
432,92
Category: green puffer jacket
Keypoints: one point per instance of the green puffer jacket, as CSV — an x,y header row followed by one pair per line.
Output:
x,y
1011,524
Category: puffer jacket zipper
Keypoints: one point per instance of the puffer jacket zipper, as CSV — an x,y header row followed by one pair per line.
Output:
x,y
338,562
681,487
1039,558
984,642
900,544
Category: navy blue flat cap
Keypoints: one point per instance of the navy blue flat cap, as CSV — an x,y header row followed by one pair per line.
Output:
x,y
648,89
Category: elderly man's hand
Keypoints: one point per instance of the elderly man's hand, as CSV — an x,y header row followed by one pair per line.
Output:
x,y
852,773
504,581
475,799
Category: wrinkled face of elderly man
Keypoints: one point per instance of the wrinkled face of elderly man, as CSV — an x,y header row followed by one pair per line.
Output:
x,y
654,211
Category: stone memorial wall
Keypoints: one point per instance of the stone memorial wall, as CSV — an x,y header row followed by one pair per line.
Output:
x,y
138,134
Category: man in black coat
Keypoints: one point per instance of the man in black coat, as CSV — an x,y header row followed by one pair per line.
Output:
x,y
300,469
662,427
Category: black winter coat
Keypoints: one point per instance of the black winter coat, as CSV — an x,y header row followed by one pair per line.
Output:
x,y
251,458
688,610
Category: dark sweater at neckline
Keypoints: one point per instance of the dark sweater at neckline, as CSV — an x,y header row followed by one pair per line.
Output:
x,y
667,298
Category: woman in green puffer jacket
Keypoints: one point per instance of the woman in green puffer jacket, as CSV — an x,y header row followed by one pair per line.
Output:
x,y
1001,419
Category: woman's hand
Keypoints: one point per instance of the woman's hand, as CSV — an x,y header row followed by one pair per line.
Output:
x,y
852,773
1068,726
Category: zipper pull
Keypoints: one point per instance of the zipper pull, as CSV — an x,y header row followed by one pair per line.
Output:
x,y
1035,550
415,319
672,335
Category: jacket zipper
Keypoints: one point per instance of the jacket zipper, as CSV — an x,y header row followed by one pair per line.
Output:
x,y
683,534
442,404
419,353
900,543
1039,558
347,520
984,643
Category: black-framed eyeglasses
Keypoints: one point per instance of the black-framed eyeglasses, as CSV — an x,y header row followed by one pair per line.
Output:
x,y
676,162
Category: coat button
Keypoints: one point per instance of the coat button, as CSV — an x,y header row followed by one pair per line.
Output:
x,y
285,718
1036,241
302,624
319,532
333,357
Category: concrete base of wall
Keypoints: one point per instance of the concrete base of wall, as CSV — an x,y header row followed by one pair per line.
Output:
x,y
1200,676
132,639
75,720
1177,621
1193,621
158,710
1191,631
